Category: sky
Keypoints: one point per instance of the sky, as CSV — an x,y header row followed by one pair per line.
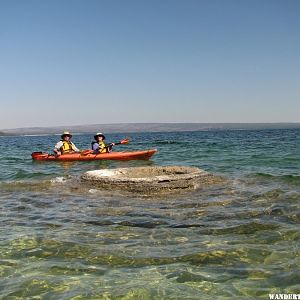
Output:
x,y
71,62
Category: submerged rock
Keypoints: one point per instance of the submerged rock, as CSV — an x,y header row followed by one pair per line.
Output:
x,y
150,179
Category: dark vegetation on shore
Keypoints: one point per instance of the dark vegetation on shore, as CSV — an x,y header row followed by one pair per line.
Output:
x,y
5,133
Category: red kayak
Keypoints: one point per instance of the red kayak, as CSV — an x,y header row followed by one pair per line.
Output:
x,y
86,155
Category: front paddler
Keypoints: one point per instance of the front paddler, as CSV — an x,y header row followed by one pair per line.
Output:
x,y
65,145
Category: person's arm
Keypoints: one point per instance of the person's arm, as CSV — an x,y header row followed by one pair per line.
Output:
x,y
95,148
109,147
75,148
57,147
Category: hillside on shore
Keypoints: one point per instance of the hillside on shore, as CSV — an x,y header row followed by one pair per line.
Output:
x,y
146,127
4,133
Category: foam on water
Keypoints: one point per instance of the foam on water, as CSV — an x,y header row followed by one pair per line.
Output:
x,y
59,180
104,173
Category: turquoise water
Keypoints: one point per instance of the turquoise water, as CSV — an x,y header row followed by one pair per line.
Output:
x,y
239,240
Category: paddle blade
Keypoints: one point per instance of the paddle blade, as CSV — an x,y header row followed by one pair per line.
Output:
x,y
38,155
125,141
86,152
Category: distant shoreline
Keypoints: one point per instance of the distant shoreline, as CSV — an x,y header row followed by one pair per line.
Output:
x,y
146,127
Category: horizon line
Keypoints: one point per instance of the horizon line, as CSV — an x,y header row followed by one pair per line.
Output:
x,y
132,123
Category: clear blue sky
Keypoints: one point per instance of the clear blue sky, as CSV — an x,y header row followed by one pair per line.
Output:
x,y
67,62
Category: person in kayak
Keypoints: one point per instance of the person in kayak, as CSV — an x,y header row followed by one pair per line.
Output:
x,y
65,145
99,146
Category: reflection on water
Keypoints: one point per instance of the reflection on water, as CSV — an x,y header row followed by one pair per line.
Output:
x,y
238,240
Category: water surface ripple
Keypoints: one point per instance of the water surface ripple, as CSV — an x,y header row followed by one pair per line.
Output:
x,y
239,240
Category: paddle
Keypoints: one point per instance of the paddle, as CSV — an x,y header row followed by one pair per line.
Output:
x,y
122,142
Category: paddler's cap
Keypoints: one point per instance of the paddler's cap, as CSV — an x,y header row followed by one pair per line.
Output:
x,y
99,134
66,133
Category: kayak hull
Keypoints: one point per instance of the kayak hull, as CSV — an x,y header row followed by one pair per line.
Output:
x,y
131,155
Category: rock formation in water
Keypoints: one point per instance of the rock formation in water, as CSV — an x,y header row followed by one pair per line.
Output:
x,y
148,180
